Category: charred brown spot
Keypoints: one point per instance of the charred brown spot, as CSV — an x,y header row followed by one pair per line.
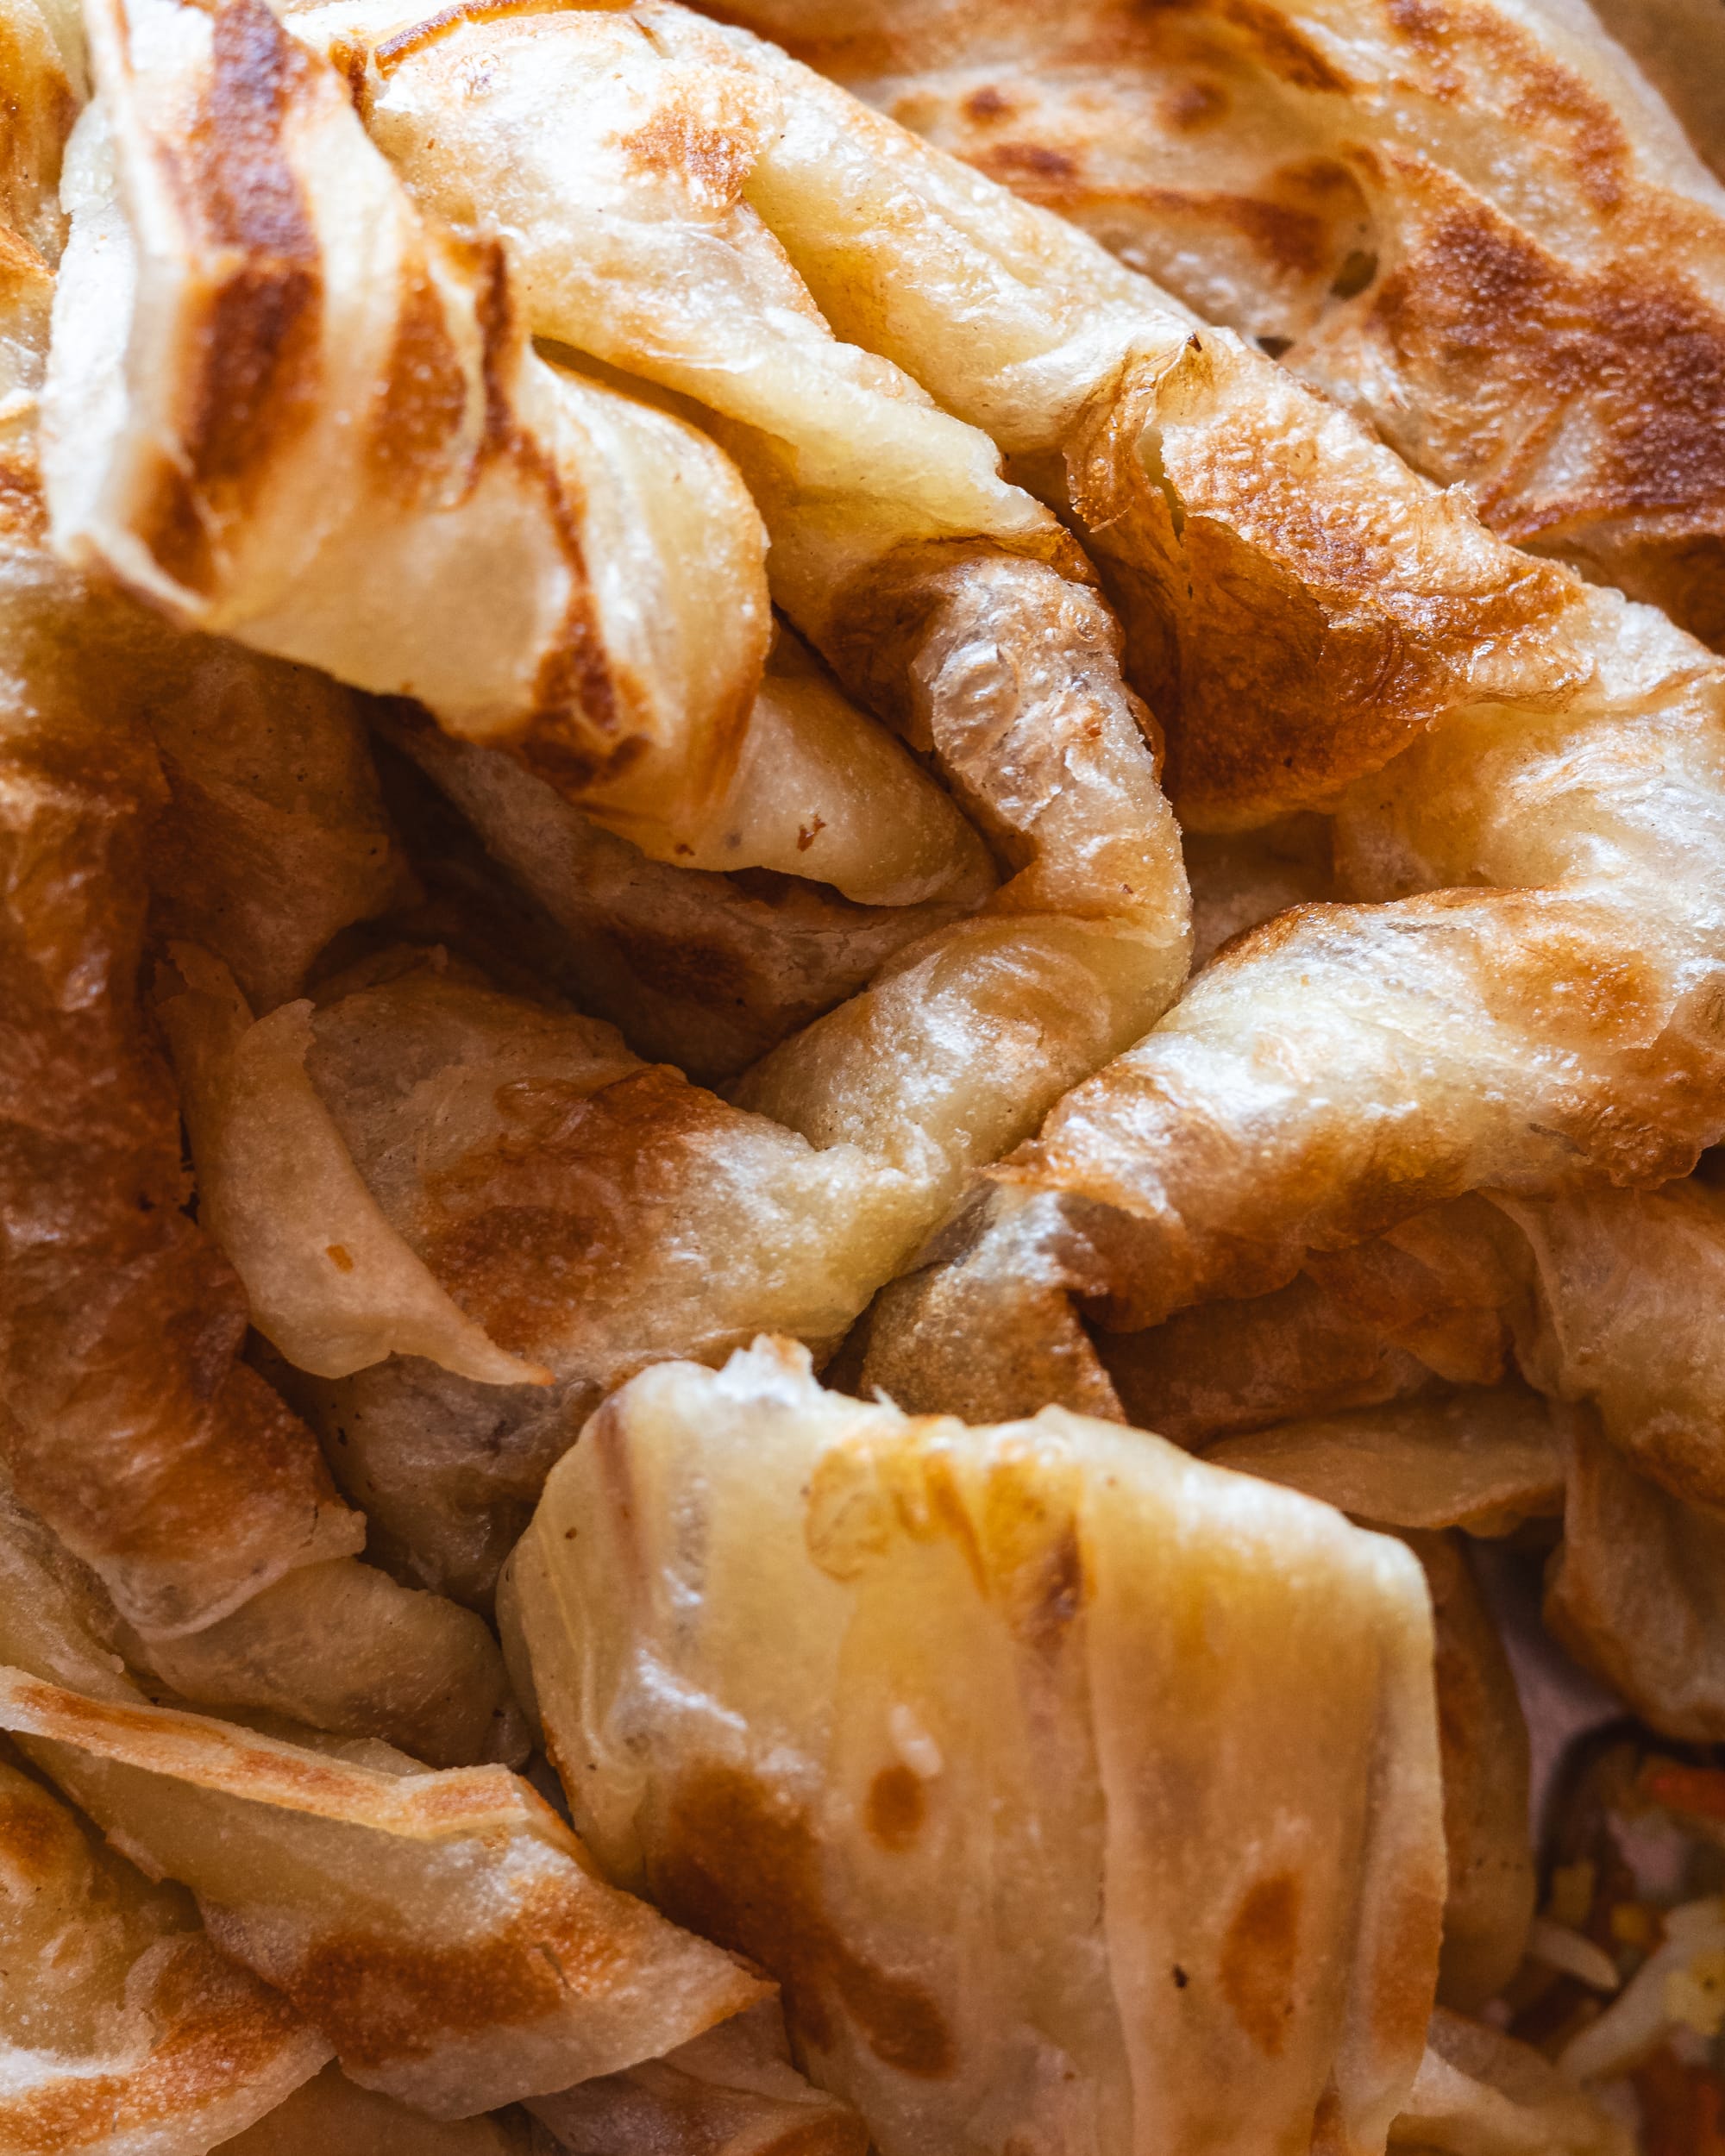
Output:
x,y
222,2028
579,732
578,694
1027,166
347,57
382,2000
896,1807
251,391
36,1836
986,104
1199,546
422,400
678,144
1549,95
1557,974
1053,1594
1523,346
1259,1957
1292,238
1423,22
947,1514
1194,104
671,963
742,1865
1282,48
522,1232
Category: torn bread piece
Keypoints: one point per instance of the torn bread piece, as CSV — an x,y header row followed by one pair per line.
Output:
x,y
329,1282
287,408
444,1931
1026,1812
1475,225
122,2028
1483,1459
343,1648
593,1212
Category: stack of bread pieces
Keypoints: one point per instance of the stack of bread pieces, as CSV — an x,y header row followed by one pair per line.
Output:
x,y
861,1078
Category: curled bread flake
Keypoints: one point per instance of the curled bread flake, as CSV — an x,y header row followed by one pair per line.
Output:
x,y
591,1211
343,1647
1628,1314
339,1648
273,836
1636,1590
330,1283
1527,1001
956,1814
1482,1459
1484,1751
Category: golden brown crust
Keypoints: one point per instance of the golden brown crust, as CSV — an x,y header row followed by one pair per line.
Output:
x,y
249,394
124,2022
223,2028
292,304
1473,227
445,1932
163,1460
42,103
1197,485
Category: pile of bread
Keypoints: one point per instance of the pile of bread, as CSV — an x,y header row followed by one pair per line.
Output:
x,y
856,1083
